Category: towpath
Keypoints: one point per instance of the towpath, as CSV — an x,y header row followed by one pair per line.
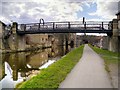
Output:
x,y
89,72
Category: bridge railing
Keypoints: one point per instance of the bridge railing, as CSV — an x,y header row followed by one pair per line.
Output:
x,y
89,25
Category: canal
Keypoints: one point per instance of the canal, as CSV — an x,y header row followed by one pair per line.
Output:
x,y
19,67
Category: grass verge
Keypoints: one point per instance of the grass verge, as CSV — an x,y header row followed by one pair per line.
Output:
x,y
52,76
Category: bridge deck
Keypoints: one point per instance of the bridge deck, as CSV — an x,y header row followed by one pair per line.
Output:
x,y
63,31
64,27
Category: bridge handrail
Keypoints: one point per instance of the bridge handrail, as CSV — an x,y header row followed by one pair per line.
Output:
x,y
72,22
67,24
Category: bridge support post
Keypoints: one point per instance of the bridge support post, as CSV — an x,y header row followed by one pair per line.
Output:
x,y
13,38
119,35
114,39
16,42
21,42
113,44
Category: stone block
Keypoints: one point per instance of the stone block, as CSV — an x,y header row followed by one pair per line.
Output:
x,y
115,27
119,27
2,29
113,44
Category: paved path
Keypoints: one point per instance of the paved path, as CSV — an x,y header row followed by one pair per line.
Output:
x,y
88,73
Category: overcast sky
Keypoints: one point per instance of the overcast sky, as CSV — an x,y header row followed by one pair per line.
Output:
x,y
27,11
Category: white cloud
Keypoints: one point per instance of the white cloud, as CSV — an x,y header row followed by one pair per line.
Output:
x,y
54,10
26,11
4,19
106,9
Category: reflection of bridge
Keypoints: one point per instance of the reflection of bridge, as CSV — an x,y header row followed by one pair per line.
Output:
x,y
65,27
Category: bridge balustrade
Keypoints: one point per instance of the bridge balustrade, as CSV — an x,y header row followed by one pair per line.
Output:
x,y
76,26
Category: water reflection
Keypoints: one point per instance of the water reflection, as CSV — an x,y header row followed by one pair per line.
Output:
x,y
18,67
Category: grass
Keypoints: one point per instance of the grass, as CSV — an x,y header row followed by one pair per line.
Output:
x,y
108,56
52,76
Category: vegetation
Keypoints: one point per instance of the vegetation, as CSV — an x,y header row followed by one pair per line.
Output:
x,y
52,76
108,56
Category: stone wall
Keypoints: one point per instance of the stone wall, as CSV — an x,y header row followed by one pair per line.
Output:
x,y
119,32
105,42
37,39
1,41
2,27
9,39
115,27
113,44
113,40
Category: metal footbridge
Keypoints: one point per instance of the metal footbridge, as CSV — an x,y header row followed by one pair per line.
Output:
x,y
65,27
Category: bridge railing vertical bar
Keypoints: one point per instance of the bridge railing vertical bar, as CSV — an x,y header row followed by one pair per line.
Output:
x,y
39,26
102,26
68,25
23,27
53,25
41,23
85,25
109,26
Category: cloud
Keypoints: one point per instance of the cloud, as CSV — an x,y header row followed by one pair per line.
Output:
x,y
27,11
51,10
4,19
106,9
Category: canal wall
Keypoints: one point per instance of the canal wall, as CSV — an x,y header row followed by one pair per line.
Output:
x,y
2,28
37,40
118,17
9,40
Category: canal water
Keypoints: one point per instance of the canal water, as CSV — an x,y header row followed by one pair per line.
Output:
x,y
19,67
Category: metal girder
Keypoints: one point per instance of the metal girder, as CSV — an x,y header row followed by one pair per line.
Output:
x,y
63,31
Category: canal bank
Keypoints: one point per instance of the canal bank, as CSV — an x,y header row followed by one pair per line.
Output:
x,y
52,76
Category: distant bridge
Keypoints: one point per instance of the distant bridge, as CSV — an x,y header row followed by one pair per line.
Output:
x,y
64,27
